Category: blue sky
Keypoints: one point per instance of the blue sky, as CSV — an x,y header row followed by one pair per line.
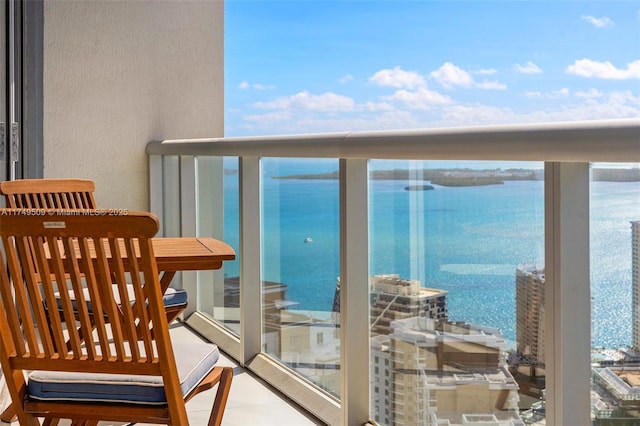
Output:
x,y
308,66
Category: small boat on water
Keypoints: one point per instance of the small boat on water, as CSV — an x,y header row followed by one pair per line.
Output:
x,y
308,240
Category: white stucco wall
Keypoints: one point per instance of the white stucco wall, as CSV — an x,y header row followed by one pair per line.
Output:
x,y
118,74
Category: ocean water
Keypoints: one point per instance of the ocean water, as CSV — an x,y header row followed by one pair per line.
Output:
x,y
468,241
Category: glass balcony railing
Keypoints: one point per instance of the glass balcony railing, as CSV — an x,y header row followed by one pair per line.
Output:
x,y
427,277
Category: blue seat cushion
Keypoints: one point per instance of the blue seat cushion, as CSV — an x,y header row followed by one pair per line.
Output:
x,y
193,360
171,298
174,297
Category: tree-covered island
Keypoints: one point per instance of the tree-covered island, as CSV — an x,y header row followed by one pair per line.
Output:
x,y
472,177
441,177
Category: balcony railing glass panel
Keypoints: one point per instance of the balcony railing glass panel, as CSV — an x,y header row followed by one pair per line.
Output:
x,y
300,267
218,210
615,286
457,254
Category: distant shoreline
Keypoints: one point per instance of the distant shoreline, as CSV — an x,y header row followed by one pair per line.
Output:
x,y
470,177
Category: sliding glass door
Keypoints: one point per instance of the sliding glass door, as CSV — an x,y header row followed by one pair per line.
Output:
x,y
4,111
11,89
21,103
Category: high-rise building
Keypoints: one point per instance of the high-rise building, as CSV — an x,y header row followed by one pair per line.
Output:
x,y
431,372
530,314
635,284
394,298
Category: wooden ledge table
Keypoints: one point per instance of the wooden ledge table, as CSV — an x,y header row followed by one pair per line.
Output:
x,y
189,254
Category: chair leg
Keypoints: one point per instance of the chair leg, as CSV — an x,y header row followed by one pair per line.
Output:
x,y
9,414
222,395
174,312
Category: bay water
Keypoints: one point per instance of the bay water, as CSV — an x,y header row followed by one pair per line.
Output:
x,y
465,240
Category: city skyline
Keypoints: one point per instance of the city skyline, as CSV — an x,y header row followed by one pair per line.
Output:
x,y
310,66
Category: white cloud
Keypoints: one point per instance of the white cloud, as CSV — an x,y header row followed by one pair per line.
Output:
x,y
396,119
265,119
377,106
450,75
245,85
528,68
306,101
605,70
623,104
610,105
588,105
491,85
398,78
259,86
534,94
598,22
489,71
589,94
625,97
420,99
556,94
345,79
476,114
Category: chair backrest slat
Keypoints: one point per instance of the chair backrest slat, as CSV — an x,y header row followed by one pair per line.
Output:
x,y
54,282
49,193
26,296
12,313
81,308
128,329
139,310
108,301
93,291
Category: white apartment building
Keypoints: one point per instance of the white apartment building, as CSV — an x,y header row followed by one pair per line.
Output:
x,y
394,298
437,372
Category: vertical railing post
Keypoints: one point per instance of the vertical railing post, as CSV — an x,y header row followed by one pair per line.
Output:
x,y
189,221
156,191
171,196
354,290
210,223
567,294
250,259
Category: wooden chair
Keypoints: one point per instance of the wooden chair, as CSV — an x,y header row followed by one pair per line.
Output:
x,y
68,194
49,193
107,368
71,194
